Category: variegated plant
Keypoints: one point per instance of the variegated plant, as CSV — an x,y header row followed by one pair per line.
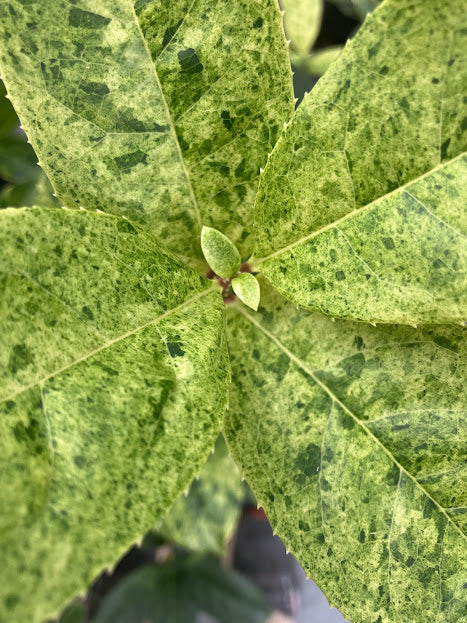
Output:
x,y
347,413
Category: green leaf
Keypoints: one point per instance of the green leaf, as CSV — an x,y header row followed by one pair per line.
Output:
x,y
37,192
318,61
18,163
246,287
356,8
383,124
220,253
302,22
182,589
204,520
113,387
8,119
402,258
351,439
160,111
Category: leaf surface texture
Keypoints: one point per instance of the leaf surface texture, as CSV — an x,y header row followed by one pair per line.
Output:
x,y
353,440
113,386
385,120
151,109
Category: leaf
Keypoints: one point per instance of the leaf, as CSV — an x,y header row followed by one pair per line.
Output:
x,y
318,61
162,112
356,8
113,386
17,161
35,193
246,287
402,258
8,118
205,519
179,591
302,22
220,253
385,120
351,439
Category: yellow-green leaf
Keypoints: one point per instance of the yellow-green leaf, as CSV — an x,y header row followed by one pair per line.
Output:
x,y
112,392
376,147
351,438
302,20
246,287
160,111
220,253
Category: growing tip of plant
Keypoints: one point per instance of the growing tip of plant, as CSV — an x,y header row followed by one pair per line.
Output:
x,y
220,253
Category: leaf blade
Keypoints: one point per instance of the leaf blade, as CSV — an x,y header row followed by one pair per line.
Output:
x,y
337,427
104,111
373,124
98,399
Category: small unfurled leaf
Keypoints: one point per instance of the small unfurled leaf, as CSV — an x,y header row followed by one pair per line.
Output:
x,y
180,591
205,519
302,20
361,208
162,112
246,287
112,392
350,437
221,254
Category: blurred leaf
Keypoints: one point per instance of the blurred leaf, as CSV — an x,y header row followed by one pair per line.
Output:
x,y
317,62
17,160
179,590
8,118
302,22
205,519
356,8
74,613
35,193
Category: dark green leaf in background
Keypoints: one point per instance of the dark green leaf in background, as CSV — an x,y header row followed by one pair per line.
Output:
x,y
180,590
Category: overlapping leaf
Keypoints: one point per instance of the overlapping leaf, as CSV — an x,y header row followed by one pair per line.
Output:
x,y
376,147
112,392
160,111
204,518
302,22
353,439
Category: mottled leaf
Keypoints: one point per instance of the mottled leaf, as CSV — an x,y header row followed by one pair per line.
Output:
x,y
112,390
376,145
352,439
204,518
302,20
180,591
220,253
246,287
160,111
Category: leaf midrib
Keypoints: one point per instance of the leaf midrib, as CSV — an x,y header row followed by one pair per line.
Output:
x,y
168,115
336,400
40,382
356,211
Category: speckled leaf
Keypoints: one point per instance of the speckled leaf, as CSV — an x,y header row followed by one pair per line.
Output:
x,y
246,287
160,111
353,440
302,20
205,519
112,390
376,145
220,253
